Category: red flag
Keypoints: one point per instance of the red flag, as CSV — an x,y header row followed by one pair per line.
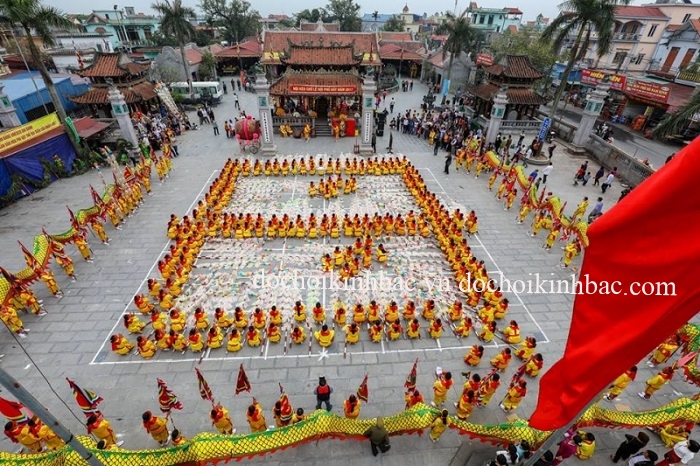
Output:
x,y
29,258
12,410
242,384
650,237
204,390
87,400
410,382
73,221
363,391
96,198
167,399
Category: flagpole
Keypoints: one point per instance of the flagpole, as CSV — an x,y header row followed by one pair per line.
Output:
x,y
26,398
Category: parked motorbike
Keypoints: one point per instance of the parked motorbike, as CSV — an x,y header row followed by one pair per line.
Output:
x,y
550,136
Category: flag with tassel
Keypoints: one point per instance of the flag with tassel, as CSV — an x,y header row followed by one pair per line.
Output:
x,y
363,390
410,382
87,400
167,399
12,410
204,390
242,383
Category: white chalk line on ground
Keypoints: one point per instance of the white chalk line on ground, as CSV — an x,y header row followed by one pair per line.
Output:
x,y
155,263
522,303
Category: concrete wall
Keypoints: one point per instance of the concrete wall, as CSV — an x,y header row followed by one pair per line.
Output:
x,y
630,170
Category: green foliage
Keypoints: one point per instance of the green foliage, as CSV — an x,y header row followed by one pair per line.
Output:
x,y
461,37
346,12
674,123
525,42
162,40
202,39
175,22
235,16
581,18
312,16
395,23
207,67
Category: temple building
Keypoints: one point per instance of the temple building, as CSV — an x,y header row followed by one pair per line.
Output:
x,y
116,69
517,76
318,74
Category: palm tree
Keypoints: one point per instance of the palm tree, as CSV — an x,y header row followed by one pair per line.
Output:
x,y
582,18
460,38
375,16
174,22
37,20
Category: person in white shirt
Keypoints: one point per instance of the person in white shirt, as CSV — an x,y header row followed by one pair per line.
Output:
x,y
646,458
546,171
682,453
608,182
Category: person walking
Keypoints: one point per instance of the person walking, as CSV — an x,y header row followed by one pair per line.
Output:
x,y
216,127
682,453
236,102
378,437
630,446
608,182
448,162
391,105
546,171
550,149
323,394
598,175
374,143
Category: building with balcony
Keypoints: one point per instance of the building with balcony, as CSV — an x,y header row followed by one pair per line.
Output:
x,y
637,34
412,23
494,20
678,50
127,28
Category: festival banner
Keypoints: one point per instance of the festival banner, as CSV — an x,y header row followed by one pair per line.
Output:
x,y
316,89
648,90
21,134
484,59
593,78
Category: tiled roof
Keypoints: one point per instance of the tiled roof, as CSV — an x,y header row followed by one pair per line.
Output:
x,y
329,27
278,41
133,94
516,95
436,60
411,45
112,65
631,11
673,27
248,49
286,84
193,56
517,66
513,11
394,52
321,56
695,23
395,36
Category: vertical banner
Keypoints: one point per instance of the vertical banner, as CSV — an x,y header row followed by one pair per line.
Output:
x,y
445,86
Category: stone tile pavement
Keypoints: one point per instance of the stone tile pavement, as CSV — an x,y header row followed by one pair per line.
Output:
x,y
64,342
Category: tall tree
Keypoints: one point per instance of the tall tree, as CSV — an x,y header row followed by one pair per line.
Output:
x,y
461,37
525,42
175,22
346,12
235,16
580,19
395,23
312,16
207,68
37,20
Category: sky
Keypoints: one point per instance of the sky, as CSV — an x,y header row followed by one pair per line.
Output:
x,y
530,8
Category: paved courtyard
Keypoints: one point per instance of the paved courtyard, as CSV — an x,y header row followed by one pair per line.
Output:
x,y
72,340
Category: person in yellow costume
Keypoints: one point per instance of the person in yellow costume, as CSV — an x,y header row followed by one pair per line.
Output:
x,y
234,341
671,434
512,333
299,312
256,418
358,314
273,333
664,351
352,333
52,441
527,347
298,335
413,329
656,382
376,332
28,437
351,407
465,405
435,328
502,360
222,319
9,316
221,419
307,132
515,395
324,337
215,337
395,330
133,324
157,427
534,365
587,447
621,383
196,341
253,336
120,344
440,388
101,428
439,425
147,349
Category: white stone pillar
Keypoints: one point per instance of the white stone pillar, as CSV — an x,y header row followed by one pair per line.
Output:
x,y
120,111
594,105
369,88
267,134
8,113
498,111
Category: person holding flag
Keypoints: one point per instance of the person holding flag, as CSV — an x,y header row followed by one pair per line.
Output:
x,y
516,393
221,419
86,400
351,407
655,383
283,411
100,427
255,417
157,427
